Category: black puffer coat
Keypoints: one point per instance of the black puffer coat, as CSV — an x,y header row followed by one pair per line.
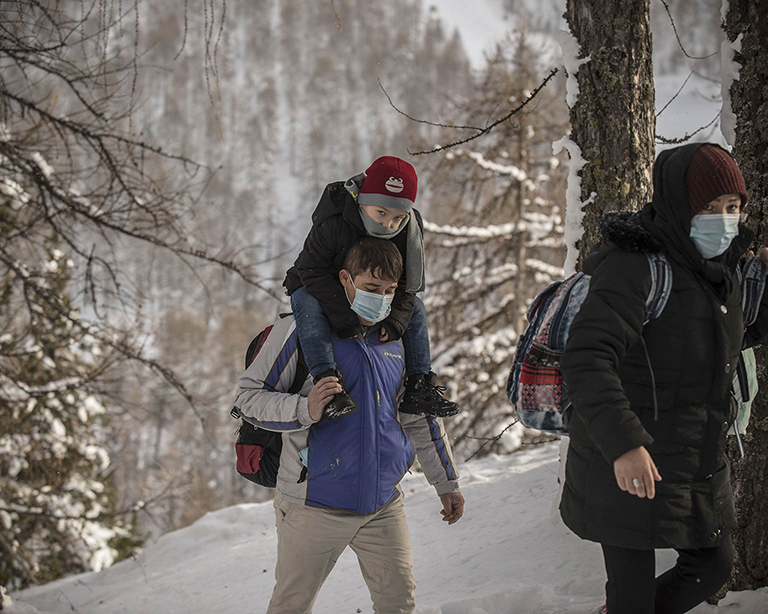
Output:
x,y
336,226
693,348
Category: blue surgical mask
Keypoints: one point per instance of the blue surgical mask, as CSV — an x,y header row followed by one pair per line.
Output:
x,y
712,233
371,306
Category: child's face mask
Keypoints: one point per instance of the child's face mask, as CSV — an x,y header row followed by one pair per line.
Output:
x,y
712,233
370,306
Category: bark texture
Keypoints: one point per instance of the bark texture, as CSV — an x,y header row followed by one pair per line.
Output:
x,y
749,19
613,120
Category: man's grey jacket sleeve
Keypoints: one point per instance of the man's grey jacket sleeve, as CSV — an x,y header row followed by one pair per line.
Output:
x,y
433,451
259,397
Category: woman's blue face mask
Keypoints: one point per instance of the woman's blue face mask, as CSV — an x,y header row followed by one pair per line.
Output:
x,y
712,233
371,306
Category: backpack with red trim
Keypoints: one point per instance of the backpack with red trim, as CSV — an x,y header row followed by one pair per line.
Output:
x,y
258,450
535,386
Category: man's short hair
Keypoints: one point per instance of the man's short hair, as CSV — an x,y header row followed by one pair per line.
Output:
x,y
380,256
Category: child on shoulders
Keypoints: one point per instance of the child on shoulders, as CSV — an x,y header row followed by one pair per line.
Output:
x,y
378,203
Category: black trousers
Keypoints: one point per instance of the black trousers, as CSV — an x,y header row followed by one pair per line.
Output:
x,y
632,587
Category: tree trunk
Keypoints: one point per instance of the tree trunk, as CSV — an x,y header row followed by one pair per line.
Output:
x,y
750,104
613,120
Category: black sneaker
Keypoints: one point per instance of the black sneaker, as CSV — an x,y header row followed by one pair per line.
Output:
x,y
341,404
424,398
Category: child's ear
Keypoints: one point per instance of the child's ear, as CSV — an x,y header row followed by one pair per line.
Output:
x,y
344,276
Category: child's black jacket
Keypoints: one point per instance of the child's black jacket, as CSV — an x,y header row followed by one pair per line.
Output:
x,y
336,226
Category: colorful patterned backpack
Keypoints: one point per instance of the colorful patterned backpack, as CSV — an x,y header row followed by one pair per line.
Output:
x,y
535,386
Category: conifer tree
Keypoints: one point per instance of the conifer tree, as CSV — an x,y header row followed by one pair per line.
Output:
x,y
495,241
57,507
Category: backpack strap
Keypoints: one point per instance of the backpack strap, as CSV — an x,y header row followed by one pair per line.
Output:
x,y
752,278
661,289
302,371
661,285
255,346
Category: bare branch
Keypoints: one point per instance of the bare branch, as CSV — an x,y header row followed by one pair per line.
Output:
x,y
338,19
671,100
488,440
424,121
683,139
499,121
679,42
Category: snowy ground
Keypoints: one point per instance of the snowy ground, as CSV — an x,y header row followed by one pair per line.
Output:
x,y
506,556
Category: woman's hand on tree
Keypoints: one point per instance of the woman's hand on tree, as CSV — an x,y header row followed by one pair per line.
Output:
x,y
762,254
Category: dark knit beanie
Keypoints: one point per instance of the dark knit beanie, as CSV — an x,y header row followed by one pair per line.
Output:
x,y
389,182
712,173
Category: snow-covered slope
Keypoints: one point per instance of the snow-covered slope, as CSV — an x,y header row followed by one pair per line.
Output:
x,y
506,556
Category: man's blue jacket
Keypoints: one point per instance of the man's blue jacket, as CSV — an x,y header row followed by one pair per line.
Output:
x,y
356,462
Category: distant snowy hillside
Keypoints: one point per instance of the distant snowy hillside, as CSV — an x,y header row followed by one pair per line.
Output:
x,y
481,24
506,556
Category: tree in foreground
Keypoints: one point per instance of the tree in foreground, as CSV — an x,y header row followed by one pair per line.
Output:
x,y
746,27
612,110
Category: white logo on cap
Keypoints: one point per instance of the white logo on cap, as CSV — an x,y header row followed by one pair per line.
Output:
x,y
394,184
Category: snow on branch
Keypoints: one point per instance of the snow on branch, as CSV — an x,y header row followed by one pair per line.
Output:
x,y
501,169
488,232
538,265
484,232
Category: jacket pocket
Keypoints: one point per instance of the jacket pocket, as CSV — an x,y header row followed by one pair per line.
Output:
x,y
713,505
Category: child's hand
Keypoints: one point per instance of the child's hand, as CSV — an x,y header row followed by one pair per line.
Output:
x,y
383,335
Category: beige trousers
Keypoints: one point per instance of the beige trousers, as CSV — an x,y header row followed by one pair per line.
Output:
x,y
311,539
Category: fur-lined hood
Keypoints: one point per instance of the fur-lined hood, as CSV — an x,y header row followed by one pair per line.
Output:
x,y
622,230
625,230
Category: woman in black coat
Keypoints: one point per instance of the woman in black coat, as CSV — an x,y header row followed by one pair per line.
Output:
x,y
644,474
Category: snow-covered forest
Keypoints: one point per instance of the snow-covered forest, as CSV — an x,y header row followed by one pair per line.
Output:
x,y
159,164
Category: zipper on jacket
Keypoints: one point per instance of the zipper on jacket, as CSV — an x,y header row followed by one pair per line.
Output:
x,y
372,383
653,380
375,416
361,469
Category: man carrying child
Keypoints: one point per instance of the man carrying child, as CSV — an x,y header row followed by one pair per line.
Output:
x,y
338,482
